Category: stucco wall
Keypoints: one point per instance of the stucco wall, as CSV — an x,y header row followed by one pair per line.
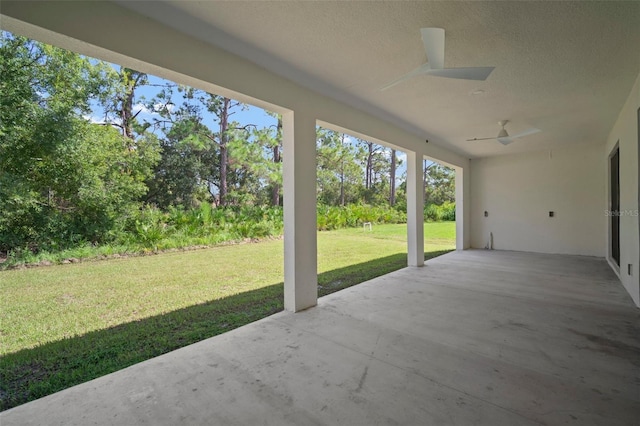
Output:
x,y
625,133
519,191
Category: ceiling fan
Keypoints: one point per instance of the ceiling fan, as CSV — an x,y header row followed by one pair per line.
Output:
x,y
433,40
504,138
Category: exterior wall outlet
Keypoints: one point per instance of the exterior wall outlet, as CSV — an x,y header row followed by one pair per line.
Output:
x,y
551,214
486,213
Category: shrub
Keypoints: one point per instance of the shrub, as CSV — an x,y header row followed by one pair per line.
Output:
x,y
447,211
444,212
151,229
349,216
431,213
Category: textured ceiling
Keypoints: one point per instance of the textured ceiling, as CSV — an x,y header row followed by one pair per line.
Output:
x,y
563,67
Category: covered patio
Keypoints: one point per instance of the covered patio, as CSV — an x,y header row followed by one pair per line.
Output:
x,y
475,337
565,74
543,330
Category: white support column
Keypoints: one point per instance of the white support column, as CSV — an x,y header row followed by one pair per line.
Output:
x,y
299,198
463,208
415,210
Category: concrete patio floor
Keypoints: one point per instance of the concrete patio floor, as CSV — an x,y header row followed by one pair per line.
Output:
x,y
475,337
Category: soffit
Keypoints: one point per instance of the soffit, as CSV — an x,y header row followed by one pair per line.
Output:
x,y
563,67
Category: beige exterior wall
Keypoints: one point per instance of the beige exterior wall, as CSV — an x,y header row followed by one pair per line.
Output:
x,y
519,191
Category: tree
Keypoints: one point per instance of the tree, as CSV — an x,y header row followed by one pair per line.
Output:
x,y
275,175
392,179
119,104
212,131
187,170
439,183
63,180
371,150
221,107
339,171
256,156
377,166
176,177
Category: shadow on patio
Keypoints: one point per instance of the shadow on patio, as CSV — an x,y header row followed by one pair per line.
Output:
x,y
33,373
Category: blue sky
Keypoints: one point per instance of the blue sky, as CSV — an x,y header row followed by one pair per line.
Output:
x,y
248,115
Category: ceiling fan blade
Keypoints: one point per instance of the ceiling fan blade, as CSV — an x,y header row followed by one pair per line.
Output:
x,y
474,73
479,139
433,40
422,69
505,141
527,132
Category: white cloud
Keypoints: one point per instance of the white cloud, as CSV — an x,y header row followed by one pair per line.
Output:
x,y
92,119
157,107
95,120
142,108
170,107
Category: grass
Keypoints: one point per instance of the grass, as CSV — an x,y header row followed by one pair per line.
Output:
x,y
66,324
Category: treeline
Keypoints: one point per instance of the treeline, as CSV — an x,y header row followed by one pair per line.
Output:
x,y
92,154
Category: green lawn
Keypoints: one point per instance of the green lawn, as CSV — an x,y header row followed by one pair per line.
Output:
x,y
66,324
